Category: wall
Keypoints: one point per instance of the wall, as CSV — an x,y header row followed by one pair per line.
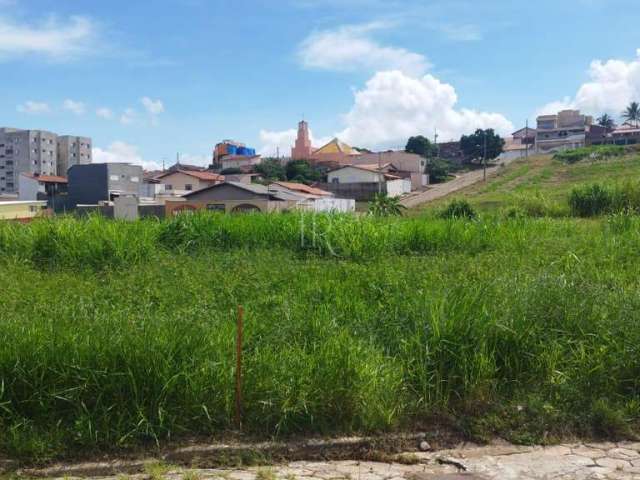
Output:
x,y
361,192
354,175
237,162
72,151
22,210
343,205
224,192
125,207
227,206
179,181
397,188
124,178
29,188
408,162
88,184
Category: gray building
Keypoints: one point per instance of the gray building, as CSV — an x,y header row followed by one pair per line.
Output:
x,y
566,130
25,151
97,182
37,152
72,151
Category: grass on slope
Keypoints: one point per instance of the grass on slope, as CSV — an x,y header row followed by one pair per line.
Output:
x,y
542,179
533,336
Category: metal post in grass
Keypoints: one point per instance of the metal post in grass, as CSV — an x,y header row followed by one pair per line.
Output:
x,y
239,367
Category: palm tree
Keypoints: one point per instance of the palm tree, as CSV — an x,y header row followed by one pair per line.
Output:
x,y
632,114
385,206
606,121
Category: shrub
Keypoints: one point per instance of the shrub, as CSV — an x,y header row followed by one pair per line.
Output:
x,y
596,153
590,200
438,170
459,209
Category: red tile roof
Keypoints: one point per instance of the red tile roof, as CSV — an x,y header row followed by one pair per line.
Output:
x,y
206,176
46,178
301,187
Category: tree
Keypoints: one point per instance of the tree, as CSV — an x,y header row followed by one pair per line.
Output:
x,y
383,205
473,145
419,145
271,169
301,171
632,114
606,121
438,170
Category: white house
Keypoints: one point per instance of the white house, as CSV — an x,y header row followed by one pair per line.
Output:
x,y
240,161
368,174
312,198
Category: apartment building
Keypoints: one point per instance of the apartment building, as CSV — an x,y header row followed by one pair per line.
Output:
x,y
73,151
25,151
38,152
564,130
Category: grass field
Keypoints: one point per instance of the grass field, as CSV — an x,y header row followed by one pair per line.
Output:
x,y
116,334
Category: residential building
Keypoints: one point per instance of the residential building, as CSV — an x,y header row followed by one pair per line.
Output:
x,y
565,130
232,197
25,151
100,182
519,145
151,187
302,150
362,182
38,151
22,210
50,188
451,152
402,164
625,135
184,181
314,199
72,151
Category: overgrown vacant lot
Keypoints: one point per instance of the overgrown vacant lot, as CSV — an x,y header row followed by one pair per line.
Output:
x,y
115,334
543,183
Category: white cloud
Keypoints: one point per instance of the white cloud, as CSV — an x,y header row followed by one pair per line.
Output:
x,y
34,108
128,116
394,106
120,151
612,85
52,38
72,106
105,113
350,48
154,107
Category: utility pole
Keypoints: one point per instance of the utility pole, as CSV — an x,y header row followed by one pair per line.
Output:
x,y
526,139
379,173
484,157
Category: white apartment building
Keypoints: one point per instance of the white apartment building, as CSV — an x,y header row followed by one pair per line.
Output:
x,y
38,151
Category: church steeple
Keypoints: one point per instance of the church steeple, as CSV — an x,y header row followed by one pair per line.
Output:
x,y
302,149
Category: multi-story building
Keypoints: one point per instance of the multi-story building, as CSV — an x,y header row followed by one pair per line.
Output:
x,y
101,182
25,151
72,151
37,152
567,129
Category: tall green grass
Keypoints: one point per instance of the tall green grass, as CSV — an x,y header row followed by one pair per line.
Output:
x,y
523,328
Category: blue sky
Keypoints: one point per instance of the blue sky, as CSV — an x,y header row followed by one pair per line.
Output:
x,y
148,79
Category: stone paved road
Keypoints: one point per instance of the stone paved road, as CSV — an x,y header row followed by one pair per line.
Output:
x,y
502,461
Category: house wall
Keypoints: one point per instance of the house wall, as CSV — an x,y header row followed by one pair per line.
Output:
x,y
238,162
397,188
407,162
28,188
22,210
88,184
342,205
226,206
180,181
224,192
354,175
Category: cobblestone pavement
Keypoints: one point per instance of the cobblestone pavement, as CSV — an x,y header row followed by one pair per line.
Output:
x,y
500,461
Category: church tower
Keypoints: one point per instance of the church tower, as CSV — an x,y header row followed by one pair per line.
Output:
x,y
302,149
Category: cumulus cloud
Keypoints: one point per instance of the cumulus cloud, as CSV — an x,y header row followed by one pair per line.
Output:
x,y
105,113
394,106
351,48
153,107
34,108
128,116
612,85
74,107
120,151
51,38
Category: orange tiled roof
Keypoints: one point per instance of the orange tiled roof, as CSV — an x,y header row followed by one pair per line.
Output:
x,y
301,187
47,178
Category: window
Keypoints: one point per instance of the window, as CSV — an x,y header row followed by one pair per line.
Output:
x,y
114,178
216,207
188,186
135,179
168,186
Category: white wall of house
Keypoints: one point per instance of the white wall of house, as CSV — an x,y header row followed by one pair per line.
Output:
x,y
342,205
28,188
396,188
238,162
179,181
354,175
